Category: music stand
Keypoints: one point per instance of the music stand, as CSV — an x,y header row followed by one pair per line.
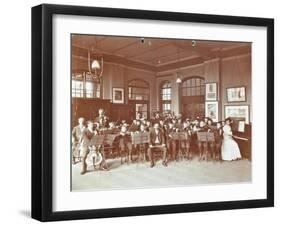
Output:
x,y
109,139
140,138
179,136
97,140
210,137
108,143
205,136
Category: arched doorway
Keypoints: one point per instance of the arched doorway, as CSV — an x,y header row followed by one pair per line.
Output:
x,y
192,94
139,94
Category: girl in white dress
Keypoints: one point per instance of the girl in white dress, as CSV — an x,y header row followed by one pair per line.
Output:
x,y
229,150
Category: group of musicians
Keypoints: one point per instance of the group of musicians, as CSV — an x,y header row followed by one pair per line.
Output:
x,y
160,130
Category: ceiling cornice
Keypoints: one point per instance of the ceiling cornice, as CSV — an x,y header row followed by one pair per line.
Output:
x,y
82,53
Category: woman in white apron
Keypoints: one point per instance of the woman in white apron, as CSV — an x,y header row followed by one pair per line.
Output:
x,y
229,150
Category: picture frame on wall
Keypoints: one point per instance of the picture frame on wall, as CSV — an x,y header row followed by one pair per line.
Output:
x,y
211,93
53,26
236,94
211,110
237,111
118,95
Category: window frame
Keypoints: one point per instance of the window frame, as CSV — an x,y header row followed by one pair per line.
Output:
x,y
165,102
193,89
144,94
96,92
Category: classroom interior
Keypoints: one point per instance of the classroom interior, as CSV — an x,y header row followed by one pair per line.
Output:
x,y
148,75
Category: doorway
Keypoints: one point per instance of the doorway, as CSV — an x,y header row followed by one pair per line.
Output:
x,y
139,94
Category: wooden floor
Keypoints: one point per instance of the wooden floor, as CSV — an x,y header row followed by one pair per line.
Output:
x,y
140,175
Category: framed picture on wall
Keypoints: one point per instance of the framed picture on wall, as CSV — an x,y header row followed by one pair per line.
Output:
x,y
118,95
211,110
78,152
236,94
211,92
237,111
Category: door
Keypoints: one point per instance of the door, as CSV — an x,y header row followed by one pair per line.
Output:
x,y
139,94
193,107
142,108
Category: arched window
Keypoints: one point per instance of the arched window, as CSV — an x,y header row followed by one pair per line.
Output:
x,y
193,97
139,94
166,96
85,87
193,87
138,90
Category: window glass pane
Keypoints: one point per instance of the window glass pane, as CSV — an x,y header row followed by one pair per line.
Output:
x,y
77,88
188,92
166,94
138,90
193,87
98,90
168,107
198,90
166,91
89,89
192,91
202,90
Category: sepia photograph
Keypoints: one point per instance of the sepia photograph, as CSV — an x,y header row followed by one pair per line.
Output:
x,y
141,112
211,91
237,112
237,94
211,109
154,112
118,95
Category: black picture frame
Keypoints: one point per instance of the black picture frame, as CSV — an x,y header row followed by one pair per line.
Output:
x,y
206,94
42,107
114,100
237,106
236,101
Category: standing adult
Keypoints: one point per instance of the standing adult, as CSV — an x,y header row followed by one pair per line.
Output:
x,y
76,136
102,120
229,150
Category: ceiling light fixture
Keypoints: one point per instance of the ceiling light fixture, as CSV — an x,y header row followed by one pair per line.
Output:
x,y
95,66
193,43
178,80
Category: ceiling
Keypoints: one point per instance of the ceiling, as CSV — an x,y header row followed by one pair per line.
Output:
x,y
154,51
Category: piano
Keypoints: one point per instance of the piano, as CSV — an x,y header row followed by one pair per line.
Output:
x,y
242,135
